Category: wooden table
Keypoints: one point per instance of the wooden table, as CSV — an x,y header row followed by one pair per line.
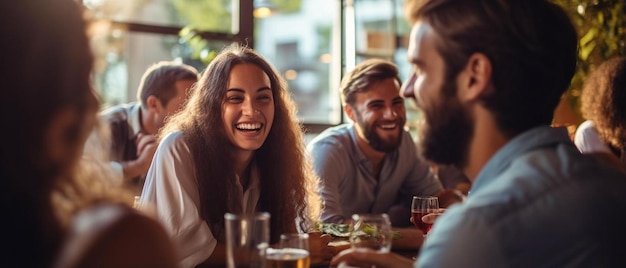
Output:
x,y
342,243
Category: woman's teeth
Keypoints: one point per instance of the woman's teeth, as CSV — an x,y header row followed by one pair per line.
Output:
x,y
248,126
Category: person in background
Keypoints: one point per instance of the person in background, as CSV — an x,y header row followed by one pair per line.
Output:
x,y
604,106
57,208
371,165
163,90
488,75
237,148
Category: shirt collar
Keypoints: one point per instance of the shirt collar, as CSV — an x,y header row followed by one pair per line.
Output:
x,y
250,197
534,138
134,119
355,143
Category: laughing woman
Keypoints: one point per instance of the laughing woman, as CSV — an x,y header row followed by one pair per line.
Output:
x,y
236,147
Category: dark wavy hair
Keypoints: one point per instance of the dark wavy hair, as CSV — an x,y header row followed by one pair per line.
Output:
x,y
604,101
532,46
288,183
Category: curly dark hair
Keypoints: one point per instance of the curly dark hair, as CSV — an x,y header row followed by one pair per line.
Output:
x,y
604,101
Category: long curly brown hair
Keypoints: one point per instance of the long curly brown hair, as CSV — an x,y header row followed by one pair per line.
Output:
x,y
604,101
287,181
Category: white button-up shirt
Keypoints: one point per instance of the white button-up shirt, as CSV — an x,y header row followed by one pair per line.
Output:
x,y
171,192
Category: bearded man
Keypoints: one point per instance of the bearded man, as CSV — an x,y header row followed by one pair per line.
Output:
x,y
371,165
488,75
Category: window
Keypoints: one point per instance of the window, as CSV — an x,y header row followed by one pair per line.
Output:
x,y
129,35
298,39
311,42
380,31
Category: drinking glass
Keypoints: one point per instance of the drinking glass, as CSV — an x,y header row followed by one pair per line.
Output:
x,y
247,238
421,206
292,252
371,231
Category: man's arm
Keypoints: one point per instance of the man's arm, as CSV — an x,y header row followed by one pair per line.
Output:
x,y
410,238
329,163
467,236
146,146
366,257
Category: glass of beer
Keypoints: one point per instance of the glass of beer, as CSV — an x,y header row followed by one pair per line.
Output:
x,y
420,207
292,252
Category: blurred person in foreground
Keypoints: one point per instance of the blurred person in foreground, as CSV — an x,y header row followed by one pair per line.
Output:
x,y
604,106
488,75
236,147
371,165
57,209
163,90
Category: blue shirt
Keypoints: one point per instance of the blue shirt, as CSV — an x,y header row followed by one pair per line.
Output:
x,y
538,202
349,184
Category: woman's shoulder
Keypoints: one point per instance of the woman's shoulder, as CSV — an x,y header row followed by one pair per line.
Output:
x,y
587,139
174,141
173,137
109,235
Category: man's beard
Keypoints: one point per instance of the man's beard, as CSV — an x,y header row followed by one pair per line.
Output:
x,y
446,133
376,141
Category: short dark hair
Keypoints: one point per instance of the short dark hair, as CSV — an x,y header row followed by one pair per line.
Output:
x,y
159,80
532,46
364,75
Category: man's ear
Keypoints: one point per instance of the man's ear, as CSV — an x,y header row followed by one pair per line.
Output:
x,y
475,79
349,111
154,104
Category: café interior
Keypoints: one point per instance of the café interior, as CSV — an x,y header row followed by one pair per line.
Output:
x,y
312,44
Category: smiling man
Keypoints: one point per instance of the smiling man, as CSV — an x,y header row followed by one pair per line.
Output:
x,y
488,75
371,165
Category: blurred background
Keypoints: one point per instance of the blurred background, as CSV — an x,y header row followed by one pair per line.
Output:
x,y
312,42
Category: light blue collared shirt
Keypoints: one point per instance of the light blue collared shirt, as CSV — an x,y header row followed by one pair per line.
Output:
x,y
538,202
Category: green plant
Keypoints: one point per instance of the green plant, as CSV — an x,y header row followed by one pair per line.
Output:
x,y
601,28
200,48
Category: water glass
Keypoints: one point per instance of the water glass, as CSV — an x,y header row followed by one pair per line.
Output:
x,y
371,231
247,238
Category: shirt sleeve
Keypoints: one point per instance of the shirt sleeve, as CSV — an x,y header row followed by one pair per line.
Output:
x,y
459,240
171,192
329,163
588,140
118,172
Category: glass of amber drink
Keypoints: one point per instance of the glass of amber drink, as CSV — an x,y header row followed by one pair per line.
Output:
x,y
292,252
